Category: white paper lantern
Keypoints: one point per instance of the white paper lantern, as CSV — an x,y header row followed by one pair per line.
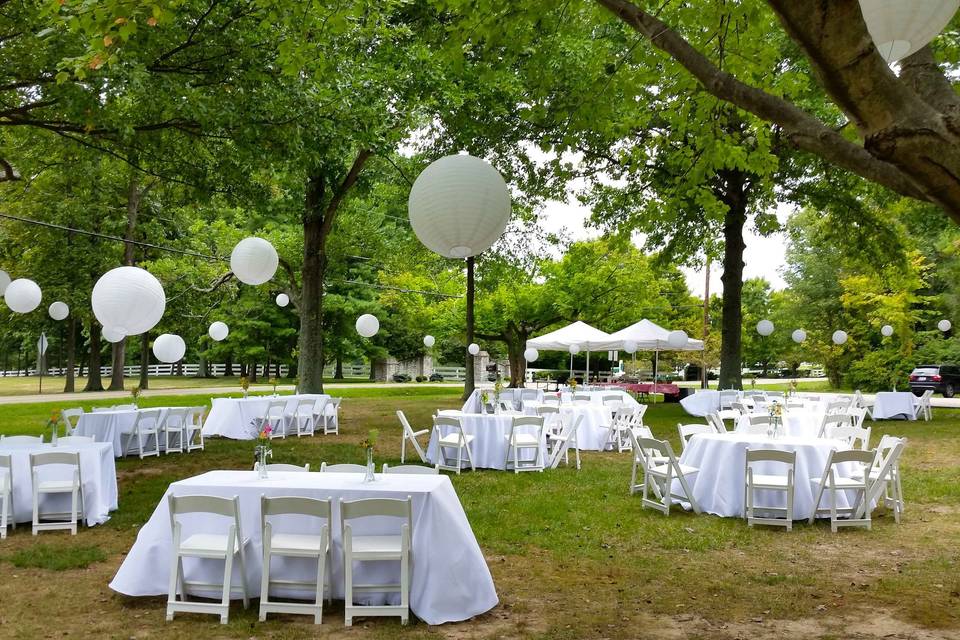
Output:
x,y
429,341
764,327
902,27
678,339
218,331
129,300
473,349
886,330
368,325
254,261
169,347
22,295
282,299
944,325
574,349
799,335
629,346
839,337
58,310
459,206
531,354
4,281
111,335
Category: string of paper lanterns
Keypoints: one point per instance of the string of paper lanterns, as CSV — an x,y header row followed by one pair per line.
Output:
x,y
22,295
899,28
799,335
128,300
944,325
765,327
839,337
886,330
254,261
58,310
169,347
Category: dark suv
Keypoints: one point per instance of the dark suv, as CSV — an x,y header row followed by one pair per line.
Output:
x,y
942,378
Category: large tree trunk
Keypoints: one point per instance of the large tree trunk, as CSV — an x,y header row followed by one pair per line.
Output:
x,y
228,365
93,379
134,195
69,385
144,361
518,366
469,384
310,363
730,330
338,368
119,356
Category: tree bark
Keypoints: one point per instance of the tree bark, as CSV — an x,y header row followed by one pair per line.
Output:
x,y
144,361
94,382
469,383
69,385
118,351
338,368
228,365
731,346
516,343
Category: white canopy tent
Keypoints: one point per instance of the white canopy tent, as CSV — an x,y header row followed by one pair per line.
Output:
x,y
648,336
579,333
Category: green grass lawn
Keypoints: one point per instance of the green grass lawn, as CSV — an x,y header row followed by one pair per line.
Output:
x,y
572,553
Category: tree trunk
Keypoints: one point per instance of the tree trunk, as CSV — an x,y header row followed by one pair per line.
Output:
x,y
469,383
134,195
228,365
310,364
144,361
730,330
243,370
252,368
338,368
119,355
93,379
518,366
69,386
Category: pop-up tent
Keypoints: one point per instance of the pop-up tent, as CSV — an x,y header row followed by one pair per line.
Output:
x,y
579,333
647,336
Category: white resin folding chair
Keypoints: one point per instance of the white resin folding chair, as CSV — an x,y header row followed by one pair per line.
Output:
x,y
552,421
856,416
582,398
304,543
660,468
759,419
687,431
839,405
21,440
884,475
71,418
411,469
612,400
345,467
860,402
330,416
740,407
617,432
760,429
521,440
833,421
528,395
715,421
144,436
834,481
211,543
124,407
42,487
6,495
284,467
174,429
301,419
194,429
728,397
275,417
922,406
410,436
855,437
551,399
73,440
450,438
563,442
754,482
376,548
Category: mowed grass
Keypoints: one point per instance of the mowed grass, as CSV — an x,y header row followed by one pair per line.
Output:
x,y
572,553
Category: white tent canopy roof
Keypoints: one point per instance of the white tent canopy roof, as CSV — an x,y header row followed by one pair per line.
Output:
x,y
579,333
648,336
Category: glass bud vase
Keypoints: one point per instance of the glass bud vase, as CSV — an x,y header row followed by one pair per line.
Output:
x,y
262,462
368,476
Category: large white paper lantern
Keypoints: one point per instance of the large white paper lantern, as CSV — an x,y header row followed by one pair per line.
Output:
x,y
574,349
129,300
429,341
22,295
839,337
944,325
282,299
254,261
459,206
368,325
169,347
764,327
629,346
111,335
678,339
218,330
531,354
799,335
58,310
886,330
4,281
902,27
473,349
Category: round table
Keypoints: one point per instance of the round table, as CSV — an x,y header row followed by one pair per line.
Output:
x,y
593,433
489,445
799,423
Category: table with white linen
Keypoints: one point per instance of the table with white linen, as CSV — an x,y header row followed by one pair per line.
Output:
x,y
106,426
490,432
596,397
594,430
450,580
702,403
893,405
798,423
719,485
512,396
98,475
234,417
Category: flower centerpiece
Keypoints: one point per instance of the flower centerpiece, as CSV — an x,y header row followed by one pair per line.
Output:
x,y
245,385
497,389
368,444
135,393
263,451
484,399
273,383
792,391
53,424
573,385
776,419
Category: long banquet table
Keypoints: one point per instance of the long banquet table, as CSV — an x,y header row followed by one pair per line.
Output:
x,y
450,580
893,404
513,396
98,476
489,446
234,417
107,426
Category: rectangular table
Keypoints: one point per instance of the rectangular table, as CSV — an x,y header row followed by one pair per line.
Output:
x,y
107,426
893,405
490,432
450,580
234,417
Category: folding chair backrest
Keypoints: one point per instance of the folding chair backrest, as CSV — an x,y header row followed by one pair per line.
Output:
x,y
345,467
290,468
21,439
528,394
832,421
5,462
176,417
886,444
72,417
771,455
215,505
146,419
124,407
716,422
660,447
544,410
446,424
851,435
383,507
71,458
297,505
759,419
407,429
739,406
275,409
551,400
195,415
305,407
687,431
524,422
410,469
582,397
335,403
612,399
851,455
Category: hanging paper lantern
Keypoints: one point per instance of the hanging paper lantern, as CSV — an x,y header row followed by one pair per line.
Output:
x,y
218,331
4,281
22,295
944,325
799,335
459,206
473,349
254,261
429,341
902,27
839,337
886,330
531,354
629,346
282,299
129,300
574,349
678,339
368,325
58,310
169,347
764,327
111,335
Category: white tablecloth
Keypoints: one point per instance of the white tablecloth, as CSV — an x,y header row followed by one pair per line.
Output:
x,y
489,446
98,474
893,404
234,417
701,403
594,430
106,426
718,487
596,397
450,580
794,422
511,396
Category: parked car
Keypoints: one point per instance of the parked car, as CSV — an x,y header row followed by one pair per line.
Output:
x,y
941,378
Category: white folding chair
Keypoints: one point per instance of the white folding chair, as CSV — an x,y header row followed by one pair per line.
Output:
x,y
563,442
72,440
833,481
860,402
301,544
124,407
275,417
409,435
582,398
377,548
528,395
283,467
174,429
6,495
612,400
301,419
851,435
856,416
740,408
345,467
728,397
331,416
21,440
839,405
759,419
659,475
206,544
715,421
769,482
450,437
551,399
552,422
521,440
922,405
145,430
832,421
410,469
49,486
620,424
884,476
71,418
194,429
687,431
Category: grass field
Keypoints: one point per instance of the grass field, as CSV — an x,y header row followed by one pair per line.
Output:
x,y
572,553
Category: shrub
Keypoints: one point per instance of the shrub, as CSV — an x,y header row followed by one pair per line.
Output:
x,y
401,377
436,377
421,378
879,370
